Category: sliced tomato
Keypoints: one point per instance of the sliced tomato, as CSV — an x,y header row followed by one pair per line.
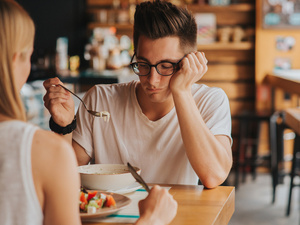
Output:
x,y
82,198
91,195
110,201
100,202
82,205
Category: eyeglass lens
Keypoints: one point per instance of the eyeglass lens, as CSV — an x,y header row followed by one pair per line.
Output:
x,y
163,68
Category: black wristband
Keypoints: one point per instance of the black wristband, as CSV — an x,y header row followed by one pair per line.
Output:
x,y
62,130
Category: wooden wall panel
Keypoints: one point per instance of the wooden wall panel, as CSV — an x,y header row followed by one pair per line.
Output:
x,y
234,90
229,56
102,3
235,127
238,106
235,18
229,72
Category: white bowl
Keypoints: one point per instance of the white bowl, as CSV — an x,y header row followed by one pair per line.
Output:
x,y
106,177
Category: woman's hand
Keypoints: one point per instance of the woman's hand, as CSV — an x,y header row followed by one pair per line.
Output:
x,y
59,102
158,208
192,69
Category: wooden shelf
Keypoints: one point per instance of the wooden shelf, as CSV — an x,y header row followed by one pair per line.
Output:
x,y
196,8
229,15
243,7
227,46
99,3
98,10
121,26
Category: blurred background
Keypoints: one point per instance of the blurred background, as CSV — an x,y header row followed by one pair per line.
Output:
x,y
88,42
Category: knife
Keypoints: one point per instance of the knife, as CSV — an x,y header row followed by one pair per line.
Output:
x,y
138,177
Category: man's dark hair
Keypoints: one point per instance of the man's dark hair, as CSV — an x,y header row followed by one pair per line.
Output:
x,y
160,19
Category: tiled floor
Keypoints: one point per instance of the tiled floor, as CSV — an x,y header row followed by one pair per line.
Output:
x,y
254,207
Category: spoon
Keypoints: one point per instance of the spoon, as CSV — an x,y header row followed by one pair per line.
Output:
x,y
102,114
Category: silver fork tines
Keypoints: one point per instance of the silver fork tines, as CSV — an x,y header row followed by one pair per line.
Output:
x,y
103,114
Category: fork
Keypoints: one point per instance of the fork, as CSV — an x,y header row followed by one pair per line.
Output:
x,y
137,177
103,114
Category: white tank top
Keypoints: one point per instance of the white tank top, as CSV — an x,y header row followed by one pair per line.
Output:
x,y
19,203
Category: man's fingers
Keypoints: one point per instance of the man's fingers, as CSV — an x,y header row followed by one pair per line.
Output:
x,y
201,58
54,101
50,82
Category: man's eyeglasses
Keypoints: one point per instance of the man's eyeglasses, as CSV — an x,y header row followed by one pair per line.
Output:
x,y
164,68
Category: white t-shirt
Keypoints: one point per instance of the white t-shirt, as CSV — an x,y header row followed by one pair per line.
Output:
x,y
19,204
154,146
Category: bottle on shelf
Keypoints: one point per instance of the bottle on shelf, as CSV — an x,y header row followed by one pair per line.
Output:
x,y
62,59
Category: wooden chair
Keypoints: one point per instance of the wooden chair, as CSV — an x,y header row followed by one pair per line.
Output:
x,y
246,157
277,127
281,120
292,120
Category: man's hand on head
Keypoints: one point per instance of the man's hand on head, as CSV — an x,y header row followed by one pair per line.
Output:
x,y
192,69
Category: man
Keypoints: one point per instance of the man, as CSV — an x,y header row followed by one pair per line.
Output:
x,y
176,131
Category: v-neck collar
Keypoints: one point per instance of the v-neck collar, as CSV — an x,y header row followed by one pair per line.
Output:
x,y
139,109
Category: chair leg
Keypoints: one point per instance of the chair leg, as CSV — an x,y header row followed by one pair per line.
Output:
x,y
276,148
237,167
254,155
245,148
296,149
238,153
280,152
273,149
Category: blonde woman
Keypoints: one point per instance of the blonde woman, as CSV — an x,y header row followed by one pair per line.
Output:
x,y
38,175
39,182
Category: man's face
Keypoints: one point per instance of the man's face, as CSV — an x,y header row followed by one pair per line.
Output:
x,y
156,87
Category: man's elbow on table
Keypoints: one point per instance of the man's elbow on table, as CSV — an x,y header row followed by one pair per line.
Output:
x,y
213,181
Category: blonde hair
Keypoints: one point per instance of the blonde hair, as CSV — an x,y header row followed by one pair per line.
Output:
x,y
16,35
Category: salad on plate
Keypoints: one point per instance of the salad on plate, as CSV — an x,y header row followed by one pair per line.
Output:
x,y
93,201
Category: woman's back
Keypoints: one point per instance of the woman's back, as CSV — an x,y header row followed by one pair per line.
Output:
x,y
19,203
38,176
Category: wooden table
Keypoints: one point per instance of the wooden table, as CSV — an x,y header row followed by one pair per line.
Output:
x,y
197,205
292,119
289,83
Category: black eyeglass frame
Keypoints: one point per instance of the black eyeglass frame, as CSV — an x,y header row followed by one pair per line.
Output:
x,y
175,66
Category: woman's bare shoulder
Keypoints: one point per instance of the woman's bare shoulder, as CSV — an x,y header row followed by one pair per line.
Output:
x,y
52,156
49,149
48,141
54,168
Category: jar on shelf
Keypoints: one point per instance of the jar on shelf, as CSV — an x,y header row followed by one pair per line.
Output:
x,y
101,16
238,34
219,2
224,34
114,61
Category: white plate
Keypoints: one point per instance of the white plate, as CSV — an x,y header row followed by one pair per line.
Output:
x,y
131,188
121,202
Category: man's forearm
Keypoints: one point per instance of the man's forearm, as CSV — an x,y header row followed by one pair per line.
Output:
x,y
210,159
